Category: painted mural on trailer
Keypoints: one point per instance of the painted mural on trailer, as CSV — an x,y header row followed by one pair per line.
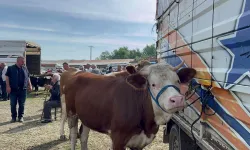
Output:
x,y
215,40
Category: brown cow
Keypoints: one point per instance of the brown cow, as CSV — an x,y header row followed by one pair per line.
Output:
x,y
67,76
122,107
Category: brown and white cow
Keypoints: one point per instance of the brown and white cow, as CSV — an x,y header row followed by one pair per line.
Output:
x,y
67,76
128,109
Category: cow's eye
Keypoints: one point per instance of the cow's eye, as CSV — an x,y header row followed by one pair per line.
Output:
x,y
153,85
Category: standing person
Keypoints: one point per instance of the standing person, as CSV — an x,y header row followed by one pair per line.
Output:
x,y
54,101
65,66
82,68
1,80
119,68
124,68
88,68
95,70
4,92
17,82
110,69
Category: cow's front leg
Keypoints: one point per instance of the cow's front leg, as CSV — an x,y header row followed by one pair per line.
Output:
x,y
64,118
118,141
73,126
84,134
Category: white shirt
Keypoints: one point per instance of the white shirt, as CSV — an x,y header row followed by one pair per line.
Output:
x,y
89,70
4,72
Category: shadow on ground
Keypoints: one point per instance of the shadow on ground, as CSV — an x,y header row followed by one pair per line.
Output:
x,y
29,118
25,126
46,146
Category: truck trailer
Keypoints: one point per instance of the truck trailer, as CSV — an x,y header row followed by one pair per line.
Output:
x,y
213,37
10,50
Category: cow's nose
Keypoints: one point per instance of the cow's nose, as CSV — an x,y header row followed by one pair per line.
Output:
x,y
177,100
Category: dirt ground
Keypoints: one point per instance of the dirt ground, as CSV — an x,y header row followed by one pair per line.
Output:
x,y
33,135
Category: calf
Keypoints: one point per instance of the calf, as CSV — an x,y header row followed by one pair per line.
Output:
x,y
39,81
129,109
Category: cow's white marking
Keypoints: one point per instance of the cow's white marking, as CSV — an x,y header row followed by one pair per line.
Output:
x,y
140,140
64,116
162,75
73,126
84,137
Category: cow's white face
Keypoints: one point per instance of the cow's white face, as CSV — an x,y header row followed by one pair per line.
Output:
x,y
170,101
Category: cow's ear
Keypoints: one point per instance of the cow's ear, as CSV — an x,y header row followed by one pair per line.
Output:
x,y
131,69
145,70
186,74
137,81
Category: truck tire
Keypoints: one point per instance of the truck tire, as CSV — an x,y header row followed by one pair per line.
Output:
x,y
179,140
174,138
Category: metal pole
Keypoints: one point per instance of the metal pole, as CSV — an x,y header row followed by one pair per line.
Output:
x,y
91,52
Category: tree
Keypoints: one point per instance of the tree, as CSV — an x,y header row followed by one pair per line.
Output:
x,y
149,51
105,55
135,53
121,53
125,53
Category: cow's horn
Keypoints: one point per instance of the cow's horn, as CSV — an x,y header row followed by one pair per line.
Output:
x,y
178,66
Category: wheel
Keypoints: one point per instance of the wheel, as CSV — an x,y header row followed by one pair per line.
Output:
x,y
174,139
179,140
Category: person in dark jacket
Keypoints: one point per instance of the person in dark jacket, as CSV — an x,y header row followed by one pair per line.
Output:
x,y
54,100
17,83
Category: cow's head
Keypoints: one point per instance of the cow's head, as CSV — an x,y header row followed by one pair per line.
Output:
x,y
164,87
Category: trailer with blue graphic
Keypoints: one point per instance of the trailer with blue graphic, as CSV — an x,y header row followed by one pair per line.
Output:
x,y
213,37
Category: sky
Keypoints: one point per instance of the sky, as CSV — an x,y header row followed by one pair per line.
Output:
x,y
66,28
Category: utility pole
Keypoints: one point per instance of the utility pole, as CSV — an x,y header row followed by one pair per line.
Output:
x,y
91,52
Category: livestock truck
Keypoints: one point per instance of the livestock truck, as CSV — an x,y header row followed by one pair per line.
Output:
x,y
11,49
213,37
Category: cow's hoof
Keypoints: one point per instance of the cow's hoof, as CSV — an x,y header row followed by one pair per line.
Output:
x,y
63,137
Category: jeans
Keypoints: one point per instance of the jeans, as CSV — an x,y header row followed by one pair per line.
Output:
x,y
47,108
17,96
4,93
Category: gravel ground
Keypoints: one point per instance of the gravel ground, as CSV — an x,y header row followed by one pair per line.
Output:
x,y
31,134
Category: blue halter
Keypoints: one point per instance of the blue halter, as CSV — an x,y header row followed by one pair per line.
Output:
x,y
160,93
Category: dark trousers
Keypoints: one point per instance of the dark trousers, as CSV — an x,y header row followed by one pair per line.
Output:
x,y
17,96
47,108
4,93
1,83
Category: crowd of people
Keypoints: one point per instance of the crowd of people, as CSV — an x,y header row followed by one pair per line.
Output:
x,y
15,82
93,69
3,70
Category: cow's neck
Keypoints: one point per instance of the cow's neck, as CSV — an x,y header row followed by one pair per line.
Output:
x,y
160,117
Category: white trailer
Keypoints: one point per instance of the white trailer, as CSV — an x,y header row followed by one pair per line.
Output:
x,y
213,37
10,50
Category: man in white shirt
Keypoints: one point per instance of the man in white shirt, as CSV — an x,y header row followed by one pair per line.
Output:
x,y
88,68
95,70
4,93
